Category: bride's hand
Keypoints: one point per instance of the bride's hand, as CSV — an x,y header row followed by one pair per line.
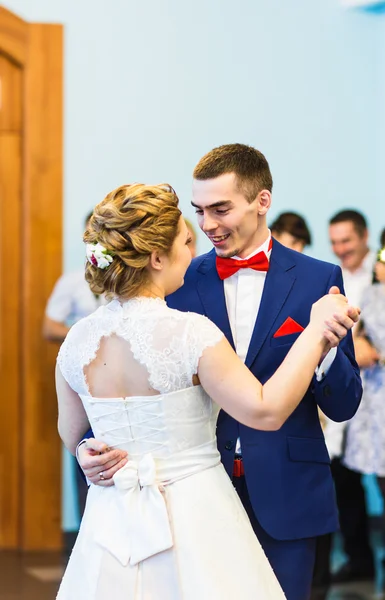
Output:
x,y
333,317
99,463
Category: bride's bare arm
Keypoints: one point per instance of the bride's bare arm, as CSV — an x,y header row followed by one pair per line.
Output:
x,y
231,385
73,420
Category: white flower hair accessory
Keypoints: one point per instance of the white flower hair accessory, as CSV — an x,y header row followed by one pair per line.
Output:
x,y
98,256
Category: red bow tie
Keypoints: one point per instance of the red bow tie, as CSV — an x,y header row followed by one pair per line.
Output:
x,y
228,266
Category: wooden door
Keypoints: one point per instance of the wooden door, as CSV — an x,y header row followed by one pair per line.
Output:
x,y
30,263
10,299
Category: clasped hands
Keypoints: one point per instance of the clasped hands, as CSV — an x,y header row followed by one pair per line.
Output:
x,y
344,316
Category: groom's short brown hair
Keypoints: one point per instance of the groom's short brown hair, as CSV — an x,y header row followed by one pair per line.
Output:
x,y
248,164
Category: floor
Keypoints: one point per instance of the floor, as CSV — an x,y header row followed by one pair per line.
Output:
x,y
36,576
31,576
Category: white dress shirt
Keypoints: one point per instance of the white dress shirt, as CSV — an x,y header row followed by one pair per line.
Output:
x,y
243,294
355,282
72,299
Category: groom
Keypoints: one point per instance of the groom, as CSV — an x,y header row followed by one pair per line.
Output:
x,y
260,294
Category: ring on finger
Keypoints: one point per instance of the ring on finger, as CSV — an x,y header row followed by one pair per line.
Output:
x,y
101,476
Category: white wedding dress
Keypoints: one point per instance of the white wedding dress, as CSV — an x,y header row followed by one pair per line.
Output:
x,y
172,527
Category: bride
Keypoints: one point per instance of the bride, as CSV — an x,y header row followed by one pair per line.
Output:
x,y
151,380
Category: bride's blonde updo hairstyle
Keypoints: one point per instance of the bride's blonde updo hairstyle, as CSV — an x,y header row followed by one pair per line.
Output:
x,y
131,222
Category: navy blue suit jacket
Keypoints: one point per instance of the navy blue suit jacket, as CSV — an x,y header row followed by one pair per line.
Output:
x,y
287,471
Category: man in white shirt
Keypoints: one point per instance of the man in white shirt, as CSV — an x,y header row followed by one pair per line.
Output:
x,y
70,301
349,240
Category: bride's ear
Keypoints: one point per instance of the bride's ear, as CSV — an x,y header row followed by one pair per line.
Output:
x,y
156,261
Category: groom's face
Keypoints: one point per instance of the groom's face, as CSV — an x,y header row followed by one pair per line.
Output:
x,y
232,223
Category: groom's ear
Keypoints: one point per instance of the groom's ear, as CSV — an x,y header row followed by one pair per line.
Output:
x,y
264,202
156,260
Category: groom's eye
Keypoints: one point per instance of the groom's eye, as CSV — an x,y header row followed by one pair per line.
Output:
x,y
222,212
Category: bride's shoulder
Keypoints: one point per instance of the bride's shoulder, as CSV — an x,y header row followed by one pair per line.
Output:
x,y
183,316
84,337
195,324
96,321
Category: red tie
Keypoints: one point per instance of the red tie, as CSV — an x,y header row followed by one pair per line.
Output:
x,y
228,266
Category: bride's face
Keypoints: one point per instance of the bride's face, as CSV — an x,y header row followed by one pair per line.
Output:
x,y
176,264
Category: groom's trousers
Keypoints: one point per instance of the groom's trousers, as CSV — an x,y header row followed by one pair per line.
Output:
x,y
291,560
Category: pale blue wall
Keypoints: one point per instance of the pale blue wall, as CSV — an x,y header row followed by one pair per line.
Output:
x,y
152,85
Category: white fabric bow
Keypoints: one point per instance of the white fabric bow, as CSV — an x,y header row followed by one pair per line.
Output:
x,y
136,525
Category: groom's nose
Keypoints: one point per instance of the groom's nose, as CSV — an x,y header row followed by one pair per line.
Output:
x,y
208,223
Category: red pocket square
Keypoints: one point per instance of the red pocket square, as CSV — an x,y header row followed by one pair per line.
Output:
x,y
289,326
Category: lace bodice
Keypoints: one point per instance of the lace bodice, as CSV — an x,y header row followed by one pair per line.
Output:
x,y
167,342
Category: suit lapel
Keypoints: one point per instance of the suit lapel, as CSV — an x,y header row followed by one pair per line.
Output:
x,y
211,292
279,281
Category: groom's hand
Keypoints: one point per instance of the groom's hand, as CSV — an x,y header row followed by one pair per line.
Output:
x,y
100,463
337,327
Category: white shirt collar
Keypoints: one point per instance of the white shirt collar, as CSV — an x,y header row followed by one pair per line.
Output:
x,y
365,267
263,248
369,260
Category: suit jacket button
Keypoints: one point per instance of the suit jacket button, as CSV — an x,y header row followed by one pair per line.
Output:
x,y
327,391
229,445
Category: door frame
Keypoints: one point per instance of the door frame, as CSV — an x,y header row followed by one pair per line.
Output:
x,y
38,49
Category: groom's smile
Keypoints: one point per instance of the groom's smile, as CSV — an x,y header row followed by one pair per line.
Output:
x,y
217,241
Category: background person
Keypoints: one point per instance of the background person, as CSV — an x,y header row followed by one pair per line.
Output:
x,y
291,230
348,233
